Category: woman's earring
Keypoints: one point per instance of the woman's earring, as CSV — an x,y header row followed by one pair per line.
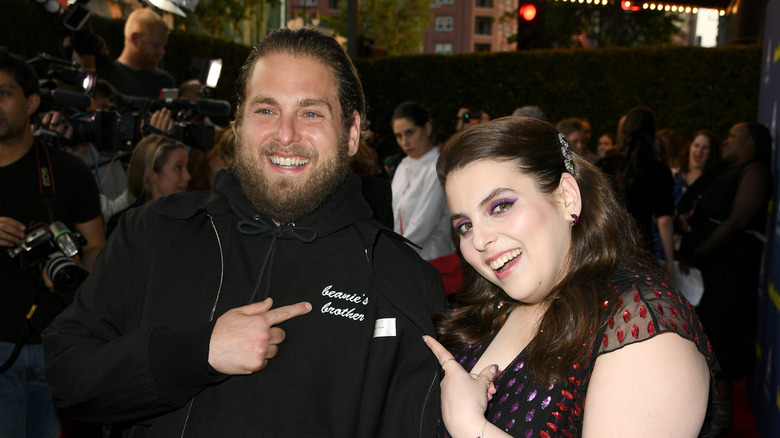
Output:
x,y
574,220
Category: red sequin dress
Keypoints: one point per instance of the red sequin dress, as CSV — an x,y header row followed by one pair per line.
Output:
x,y
646,308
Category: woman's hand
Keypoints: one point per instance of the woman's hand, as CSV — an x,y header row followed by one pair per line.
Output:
x,y
464,396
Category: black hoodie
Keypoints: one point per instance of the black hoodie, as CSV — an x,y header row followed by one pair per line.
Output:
x,y
134,346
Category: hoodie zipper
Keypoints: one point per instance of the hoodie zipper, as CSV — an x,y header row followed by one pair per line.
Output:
x,y
425,403
213,308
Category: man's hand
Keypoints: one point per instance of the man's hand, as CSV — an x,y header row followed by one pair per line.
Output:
x,y
245,338
162,120
11,231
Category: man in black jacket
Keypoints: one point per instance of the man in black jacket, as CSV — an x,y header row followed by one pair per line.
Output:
x,y
272,307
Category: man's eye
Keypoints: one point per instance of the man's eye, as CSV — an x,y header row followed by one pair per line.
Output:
x,y
310,114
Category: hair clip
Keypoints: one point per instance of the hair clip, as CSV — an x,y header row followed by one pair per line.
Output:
x,y
566,152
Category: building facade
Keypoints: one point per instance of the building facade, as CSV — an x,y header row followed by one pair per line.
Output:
x,y
458,26
467,26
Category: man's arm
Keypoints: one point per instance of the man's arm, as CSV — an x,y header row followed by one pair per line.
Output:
x,y
94,233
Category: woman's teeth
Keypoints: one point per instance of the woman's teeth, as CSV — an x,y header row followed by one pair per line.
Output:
x,y
499,263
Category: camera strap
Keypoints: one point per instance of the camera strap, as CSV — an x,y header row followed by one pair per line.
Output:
x,y
45,178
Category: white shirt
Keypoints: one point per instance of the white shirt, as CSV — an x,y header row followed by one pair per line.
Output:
x,y
420,208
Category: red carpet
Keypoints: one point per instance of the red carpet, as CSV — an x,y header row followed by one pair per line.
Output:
x,y
743,424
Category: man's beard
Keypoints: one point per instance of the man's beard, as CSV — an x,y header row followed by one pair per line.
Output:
x,y
283,199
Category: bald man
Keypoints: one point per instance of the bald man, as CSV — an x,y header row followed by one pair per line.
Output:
x,y
136,72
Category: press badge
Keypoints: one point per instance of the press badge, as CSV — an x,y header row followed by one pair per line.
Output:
x,y
384,327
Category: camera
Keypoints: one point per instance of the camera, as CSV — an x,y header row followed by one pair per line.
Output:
x,y
52,246
475,115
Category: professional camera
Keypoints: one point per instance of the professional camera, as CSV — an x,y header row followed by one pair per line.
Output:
x,y
475,115
52,246
197,135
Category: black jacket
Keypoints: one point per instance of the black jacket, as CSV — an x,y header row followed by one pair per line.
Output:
x,y
133,347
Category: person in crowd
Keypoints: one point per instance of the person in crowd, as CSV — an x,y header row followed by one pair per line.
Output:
x,y
563,326
574,131
588,132
106,166
377,190
644,184
158,167
38,186
136,72
723,237
530,111
419,206
668,144
607,145
222,155
231,312
467,118
697,157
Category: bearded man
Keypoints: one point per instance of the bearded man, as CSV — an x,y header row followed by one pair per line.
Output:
x,y
179,330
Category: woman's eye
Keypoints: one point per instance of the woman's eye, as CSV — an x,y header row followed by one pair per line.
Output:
x,y
501,206
463,227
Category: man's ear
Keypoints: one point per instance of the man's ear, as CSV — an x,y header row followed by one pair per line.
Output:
x,y
33,102
354,134
570,195
136,38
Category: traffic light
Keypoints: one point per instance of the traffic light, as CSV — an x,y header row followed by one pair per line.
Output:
x,y
530,24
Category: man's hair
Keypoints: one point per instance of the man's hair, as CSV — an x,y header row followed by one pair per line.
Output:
x,y
605,239
140,20
23,74
314,44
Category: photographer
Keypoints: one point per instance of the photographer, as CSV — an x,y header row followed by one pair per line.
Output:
x,y
38,186
136,72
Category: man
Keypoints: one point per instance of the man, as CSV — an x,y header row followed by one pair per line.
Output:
x,y
136,72
179,330
38,186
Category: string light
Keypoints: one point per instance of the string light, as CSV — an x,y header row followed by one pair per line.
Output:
x,y
662,7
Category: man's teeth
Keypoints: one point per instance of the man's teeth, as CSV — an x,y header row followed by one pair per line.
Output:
x,y
288,162
503,260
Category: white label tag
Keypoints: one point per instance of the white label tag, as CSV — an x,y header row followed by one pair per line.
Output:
x,y
384,327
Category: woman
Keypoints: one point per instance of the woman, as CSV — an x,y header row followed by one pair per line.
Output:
x,y
558,301
644,184
698,156
157,167
419,207
723,237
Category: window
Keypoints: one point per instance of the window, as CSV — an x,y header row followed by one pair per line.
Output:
x,y
481,47
483,26
443,49
444,24
445,2
333,4
485,4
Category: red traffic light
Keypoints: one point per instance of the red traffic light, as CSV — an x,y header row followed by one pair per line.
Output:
x,y
528,12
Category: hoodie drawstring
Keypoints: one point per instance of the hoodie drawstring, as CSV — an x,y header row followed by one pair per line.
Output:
x,y
253,228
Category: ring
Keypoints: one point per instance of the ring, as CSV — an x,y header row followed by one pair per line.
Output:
x,y
445,361
484,379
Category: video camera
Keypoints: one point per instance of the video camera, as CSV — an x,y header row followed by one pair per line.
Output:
x,y
67,88
51,248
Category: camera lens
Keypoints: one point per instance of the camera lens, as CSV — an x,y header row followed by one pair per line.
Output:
x,y
66,275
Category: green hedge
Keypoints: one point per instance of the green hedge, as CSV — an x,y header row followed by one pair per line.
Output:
x,y
688,87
